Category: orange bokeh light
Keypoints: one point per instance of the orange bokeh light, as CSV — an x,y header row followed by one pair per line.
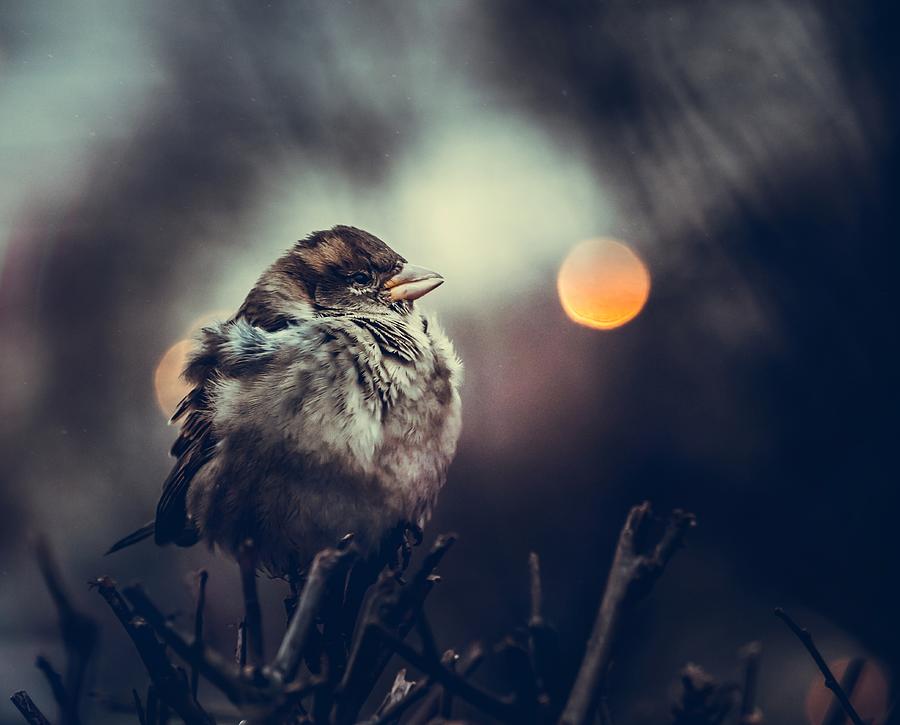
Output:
x,y
170,387
603,284
167,381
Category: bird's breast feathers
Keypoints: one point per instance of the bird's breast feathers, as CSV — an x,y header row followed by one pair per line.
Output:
x,y
369,398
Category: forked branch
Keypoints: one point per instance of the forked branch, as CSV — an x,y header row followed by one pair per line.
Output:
x,y
636,567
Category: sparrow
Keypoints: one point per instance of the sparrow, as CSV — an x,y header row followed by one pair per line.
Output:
x,y
328,404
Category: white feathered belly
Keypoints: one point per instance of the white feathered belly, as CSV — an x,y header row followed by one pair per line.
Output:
x,y
334,467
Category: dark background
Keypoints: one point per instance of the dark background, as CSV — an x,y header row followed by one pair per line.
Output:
x,y
154,157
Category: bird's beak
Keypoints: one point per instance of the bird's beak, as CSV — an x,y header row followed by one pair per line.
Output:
x,y
412,282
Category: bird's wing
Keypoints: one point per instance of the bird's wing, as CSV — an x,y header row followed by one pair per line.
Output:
x,y
196,443
234,350
192,449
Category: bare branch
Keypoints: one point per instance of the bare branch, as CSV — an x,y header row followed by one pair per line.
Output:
x,y
439,701
402,695
703,700
424,577
536,598
497,707
632,575
25,705
252,611
79,635
395,608
240,645
434,697
55,681
749,713
327,563
211,665
849,681
399,690
139,708
830,682
542,644
170,683
202,578
263,697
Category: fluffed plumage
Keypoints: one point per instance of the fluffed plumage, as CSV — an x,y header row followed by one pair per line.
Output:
x,y
327,405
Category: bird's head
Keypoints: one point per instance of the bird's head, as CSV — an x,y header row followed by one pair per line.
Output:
x,y
342,270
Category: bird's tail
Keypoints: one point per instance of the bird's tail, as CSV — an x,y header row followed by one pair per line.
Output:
x,y
145,532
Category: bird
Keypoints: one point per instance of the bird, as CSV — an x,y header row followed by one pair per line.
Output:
x,y
327,404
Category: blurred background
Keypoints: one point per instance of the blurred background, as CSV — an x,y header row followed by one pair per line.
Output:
x,y
156,156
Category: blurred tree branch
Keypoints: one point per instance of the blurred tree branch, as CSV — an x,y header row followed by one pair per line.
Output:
x,y
750,714
79,635
636,566
703,700
335,655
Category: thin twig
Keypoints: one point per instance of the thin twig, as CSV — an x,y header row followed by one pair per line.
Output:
x,y
542,648
327,563
397,709
79,634
331,649
535,590
501,708
439,702
25,705
631,576
749,713
400,689
402,695
434,697
139,708
396,608
240,645
211,665
55,681
363,574
849,681
703,701
266,696
170,683
202,578
830,682
252,610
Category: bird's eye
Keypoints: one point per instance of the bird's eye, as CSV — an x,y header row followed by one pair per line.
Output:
x,y
361,277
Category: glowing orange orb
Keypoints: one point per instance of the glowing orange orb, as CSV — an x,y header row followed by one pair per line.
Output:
x,y
167,381
603,284
170,387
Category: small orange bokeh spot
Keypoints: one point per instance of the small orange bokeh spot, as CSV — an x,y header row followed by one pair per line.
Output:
x,y
603,284
167,381
170,387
